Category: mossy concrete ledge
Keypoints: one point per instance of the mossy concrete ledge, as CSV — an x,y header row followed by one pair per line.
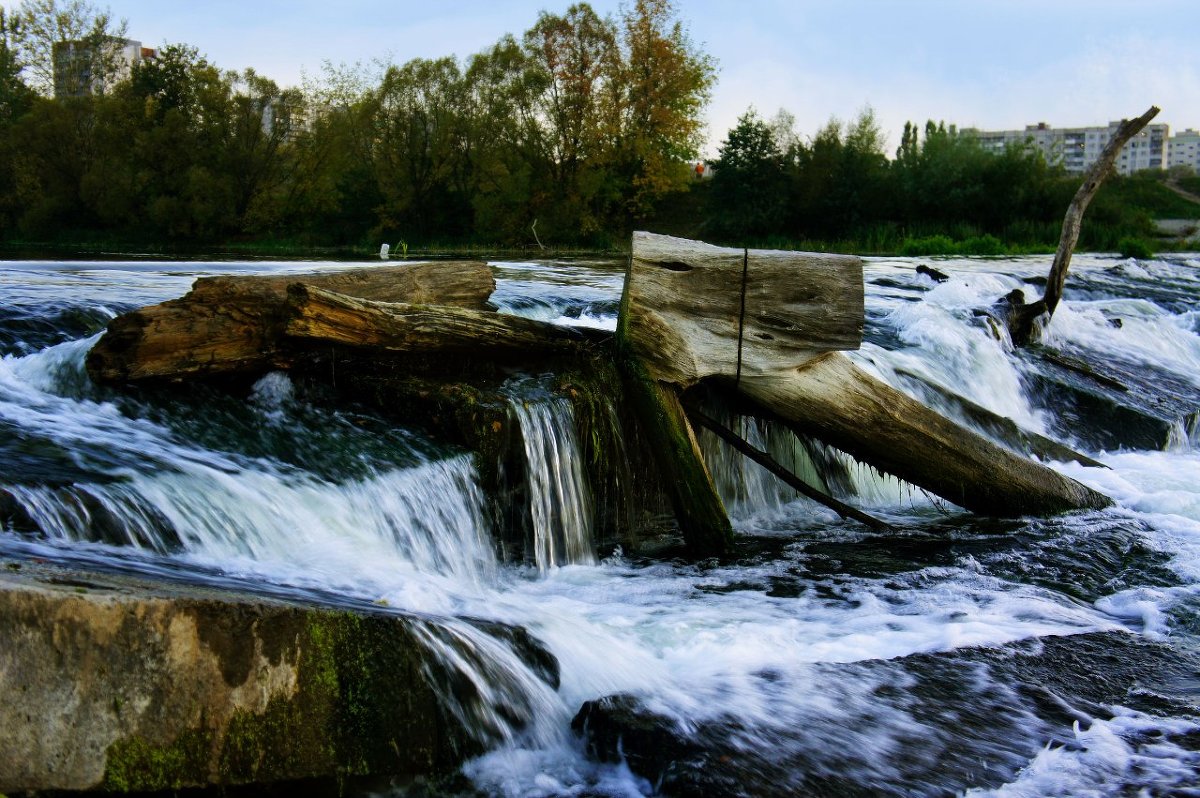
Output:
x,y
118,684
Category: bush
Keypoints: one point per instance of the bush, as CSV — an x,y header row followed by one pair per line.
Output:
x,y
929,245
1131,247
982,245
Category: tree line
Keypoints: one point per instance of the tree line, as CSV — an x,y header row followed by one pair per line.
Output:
x,y
577,128
576,131
941,193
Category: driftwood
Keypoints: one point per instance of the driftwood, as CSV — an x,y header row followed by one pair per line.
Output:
x,y
766,327
1025,320
693,312
329,317
842,405
232,325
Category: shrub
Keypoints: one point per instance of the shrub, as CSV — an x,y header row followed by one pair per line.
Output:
x,y
929,245
1131,247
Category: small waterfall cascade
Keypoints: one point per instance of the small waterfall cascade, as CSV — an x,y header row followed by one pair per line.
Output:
x,y
273,488
560,503
748,489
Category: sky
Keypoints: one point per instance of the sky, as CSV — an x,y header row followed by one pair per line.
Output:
x,y
992,64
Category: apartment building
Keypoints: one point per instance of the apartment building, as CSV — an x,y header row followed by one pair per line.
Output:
x,y
85,67
1185,150
1077,148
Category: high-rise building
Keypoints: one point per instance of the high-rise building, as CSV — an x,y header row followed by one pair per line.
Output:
x,y
88,67
1185,150
1077,148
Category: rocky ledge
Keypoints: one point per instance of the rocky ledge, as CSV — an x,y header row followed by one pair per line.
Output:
x,y
117,683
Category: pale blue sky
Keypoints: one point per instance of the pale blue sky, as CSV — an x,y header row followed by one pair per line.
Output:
x,y
986,63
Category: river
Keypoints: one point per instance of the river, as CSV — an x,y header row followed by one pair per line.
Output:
x,y
957,655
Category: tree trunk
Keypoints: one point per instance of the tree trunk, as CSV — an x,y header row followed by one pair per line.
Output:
x,y
834,401
320,315
232,325
1024,321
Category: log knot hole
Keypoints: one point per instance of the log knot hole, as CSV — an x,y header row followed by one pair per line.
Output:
x,y
675,266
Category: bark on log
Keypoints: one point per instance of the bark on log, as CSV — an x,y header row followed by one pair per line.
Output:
x,y
836,402
692,319
317,314
231,325
1025,321
702,518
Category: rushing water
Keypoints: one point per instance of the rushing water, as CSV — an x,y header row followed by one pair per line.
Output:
x,y
956,655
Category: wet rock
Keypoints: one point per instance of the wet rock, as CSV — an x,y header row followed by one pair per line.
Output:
x,y
926,724
936,275
123,684
1108,403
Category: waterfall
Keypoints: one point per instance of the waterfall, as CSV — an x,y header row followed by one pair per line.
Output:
x,y
560,504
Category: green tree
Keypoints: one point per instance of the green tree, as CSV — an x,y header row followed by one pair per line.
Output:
x,y
571,63
667,83
748,185
84,39
416,125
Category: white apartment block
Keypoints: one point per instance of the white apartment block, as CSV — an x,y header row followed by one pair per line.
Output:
x,y
1077,148
1185,150
76,64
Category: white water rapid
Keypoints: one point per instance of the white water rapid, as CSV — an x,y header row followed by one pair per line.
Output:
x,y
958,656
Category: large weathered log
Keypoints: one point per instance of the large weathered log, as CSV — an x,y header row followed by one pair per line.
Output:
x,y
692,311
699,311
317,314
838,403
229,325
770,330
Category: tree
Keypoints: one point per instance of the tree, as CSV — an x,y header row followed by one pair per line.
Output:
x,y
84,39
415,117
15,96
667,83
573,60
748,185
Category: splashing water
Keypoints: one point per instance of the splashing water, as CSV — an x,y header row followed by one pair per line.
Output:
x,y
560,504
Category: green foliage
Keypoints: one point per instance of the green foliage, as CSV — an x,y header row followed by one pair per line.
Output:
x,y
569,134
1130,247
749,182
930,245
580,127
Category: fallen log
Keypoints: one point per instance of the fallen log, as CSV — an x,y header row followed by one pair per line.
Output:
x,y
402,327
232,325
838,403
694,312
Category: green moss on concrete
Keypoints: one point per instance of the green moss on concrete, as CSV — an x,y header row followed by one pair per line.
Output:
x,y
362,706
136,765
